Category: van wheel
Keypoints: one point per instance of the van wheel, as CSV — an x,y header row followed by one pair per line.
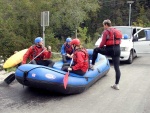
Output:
x,y
130,60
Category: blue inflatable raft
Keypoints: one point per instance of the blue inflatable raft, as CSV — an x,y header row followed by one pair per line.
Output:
x,y
38,76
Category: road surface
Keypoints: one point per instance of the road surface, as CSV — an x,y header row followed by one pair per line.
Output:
x,y
133,96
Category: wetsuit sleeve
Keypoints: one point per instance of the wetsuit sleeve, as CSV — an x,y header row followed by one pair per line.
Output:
x,y
63,52
26,55
47,54
103,42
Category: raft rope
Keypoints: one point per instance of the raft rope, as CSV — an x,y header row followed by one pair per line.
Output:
x,y
25,74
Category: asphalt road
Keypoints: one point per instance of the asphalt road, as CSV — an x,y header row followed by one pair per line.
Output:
x,y
133,96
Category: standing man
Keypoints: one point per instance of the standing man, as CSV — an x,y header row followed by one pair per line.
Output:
x,y
39,53
110,46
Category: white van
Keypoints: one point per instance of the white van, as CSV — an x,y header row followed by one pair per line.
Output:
x,y
128,52
142,46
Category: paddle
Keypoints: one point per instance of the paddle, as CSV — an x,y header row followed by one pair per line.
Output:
x,y
65,80
11,77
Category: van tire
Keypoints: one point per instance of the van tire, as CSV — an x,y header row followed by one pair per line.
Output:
x,y
130,60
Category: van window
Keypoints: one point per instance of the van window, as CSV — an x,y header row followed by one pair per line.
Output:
x,y
125,30
141,34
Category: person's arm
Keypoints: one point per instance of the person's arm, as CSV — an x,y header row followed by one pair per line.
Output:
x,y
47,53
63,52
26,55
104,38
71,56
79,62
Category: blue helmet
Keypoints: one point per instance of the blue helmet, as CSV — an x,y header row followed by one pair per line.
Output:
x,y
125,36
68,39
37,40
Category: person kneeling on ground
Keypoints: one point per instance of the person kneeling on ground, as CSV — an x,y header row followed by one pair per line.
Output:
x,y
42,54
80,59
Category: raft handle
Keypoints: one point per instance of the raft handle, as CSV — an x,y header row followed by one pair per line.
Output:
x,y
98,70
25,74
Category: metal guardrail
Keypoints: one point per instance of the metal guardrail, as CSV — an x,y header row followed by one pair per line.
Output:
x,y
56,56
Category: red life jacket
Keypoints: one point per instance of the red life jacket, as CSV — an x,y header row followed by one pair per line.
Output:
x,y
33,51
114,37
36,51
68,48
85,62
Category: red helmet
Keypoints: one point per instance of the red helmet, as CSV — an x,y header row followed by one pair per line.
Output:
x,y
75,42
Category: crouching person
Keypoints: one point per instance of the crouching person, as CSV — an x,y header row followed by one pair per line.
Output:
x,y
80,59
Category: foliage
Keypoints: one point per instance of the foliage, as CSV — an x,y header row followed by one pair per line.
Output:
x,y
83,34
67,15
142,20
